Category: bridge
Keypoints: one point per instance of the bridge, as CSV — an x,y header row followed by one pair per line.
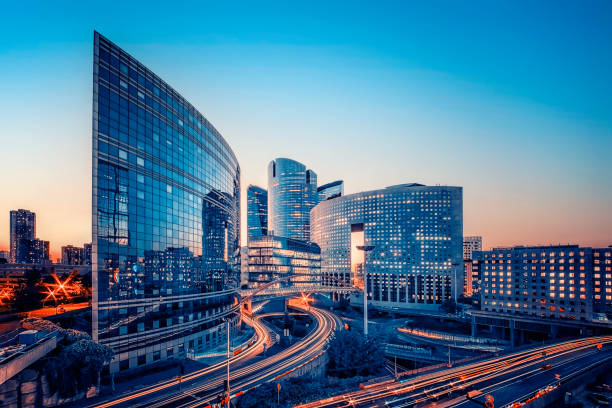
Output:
x,y
295,290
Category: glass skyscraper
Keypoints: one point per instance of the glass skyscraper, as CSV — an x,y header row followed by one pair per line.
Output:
x,y
292,192
330,190
257,212
166,208
417,234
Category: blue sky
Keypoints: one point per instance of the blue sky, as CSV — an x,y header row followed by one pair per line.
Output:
x,y
510,99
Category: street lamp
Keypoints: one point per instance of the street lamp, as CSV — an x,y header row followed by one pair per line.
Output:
x,y
365,249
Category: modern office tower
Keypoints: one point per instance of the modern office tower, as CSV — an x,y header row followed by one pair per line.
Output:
x,y
471,244
23,227
564,282
272,258
292,192
166,212
330,190
257,212
87,254
72,255
416,232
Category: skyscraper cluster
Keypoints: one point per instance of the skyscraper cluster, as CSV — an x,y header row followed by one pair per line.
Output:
x,y
25,248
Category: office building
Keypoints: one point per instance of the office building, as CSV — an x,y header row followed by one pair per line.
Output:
x,y
22,228
257,212
565,282
330,190
6,255
292,192
416,232
272,258
72,255
471,244
166,212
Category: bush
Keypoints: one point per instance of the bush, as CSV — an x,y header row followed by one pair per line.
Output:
x,y
351,355
77,367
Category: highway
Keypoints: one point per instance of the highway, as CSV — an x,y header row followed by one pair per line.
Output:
x,y
508,378
204,388
263,337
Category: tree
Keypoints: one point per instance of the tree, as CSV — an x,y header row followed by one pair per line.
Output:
x,y
351,355
77,367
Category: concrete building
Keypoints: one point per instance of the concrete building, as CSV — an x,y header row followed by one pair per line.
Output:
x,y
471,244
271,258
545,288
292,193
72,255
416,232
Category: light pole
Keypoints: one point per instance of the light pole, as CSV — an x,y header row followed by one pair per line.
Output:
x,y
365,249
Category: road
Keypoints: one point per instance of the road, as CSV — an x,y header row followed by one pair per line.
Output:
x,y
263,338
201,390
507,378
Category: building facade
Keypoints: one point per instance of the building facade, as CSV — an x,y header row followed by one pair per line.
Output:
x,y
272,258
565,282
330,190
416,232
72,255
166,208
32,251
292,193
22,228
471,244
257,212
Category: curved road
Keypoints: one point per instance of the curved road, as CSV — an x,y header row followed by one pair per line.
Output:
x,y
203,386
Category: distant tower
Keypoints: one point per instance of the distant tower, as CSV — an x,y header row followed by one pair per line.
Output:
x,y
23,227
331,190
471,244
257,212
292,192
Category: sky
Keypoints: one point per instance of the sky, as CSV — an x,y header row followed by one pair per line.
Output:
x,y
510,99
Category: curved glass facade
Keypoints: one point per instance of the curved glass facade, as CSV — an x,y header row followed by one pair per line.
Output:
x,y
292,192
166,208
331,190
257,212
417,234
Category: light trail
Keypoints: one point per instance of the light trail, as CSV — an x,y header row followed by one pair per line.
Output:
x,y
436,384
263,337
244,378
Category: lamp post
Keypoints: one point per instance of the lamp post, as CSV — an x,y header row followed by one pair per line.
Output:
x,y
365,249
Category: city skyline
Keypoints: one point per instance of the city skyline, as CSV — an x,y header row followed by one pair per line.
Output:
x,y
517,115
